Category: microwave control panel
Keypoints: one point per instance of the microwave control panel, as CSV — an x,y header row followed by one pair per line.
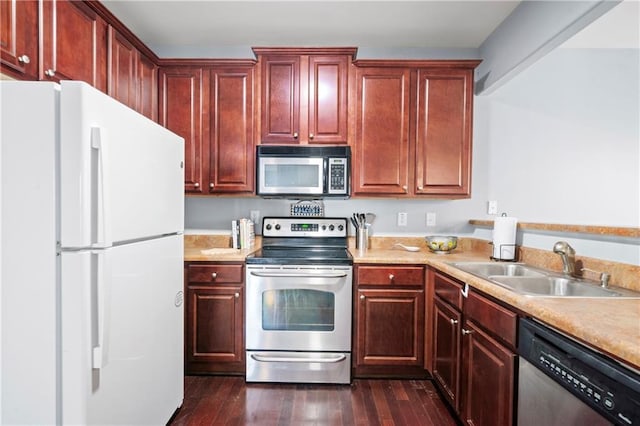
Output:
x,y
338,176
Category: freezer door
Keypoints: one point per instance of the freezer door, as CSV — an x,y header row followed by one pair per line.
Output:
x,y
122,333
121,174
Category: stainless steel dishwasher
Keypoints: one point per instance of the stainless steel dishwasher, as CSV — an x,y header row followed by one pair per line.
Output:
x,y
562,382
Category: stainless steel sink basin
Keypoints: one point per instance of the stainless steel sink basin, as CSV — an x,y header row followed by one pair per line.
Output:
x,y
487,269
530,281
553,286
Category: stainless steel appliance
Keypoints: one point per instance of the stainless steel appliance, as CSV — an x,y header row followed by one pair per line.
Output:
x,y
298,302
562,382
303,171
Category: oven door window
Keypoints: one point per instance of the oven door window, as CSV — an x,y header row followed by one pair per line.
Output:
x,y
298,309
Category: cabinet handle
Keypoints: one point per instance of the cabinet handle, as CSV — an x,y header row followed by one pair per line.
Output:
x,y
50,73
465,332
211,185
295,135
391,277
196,185
214,275
237,295
362,297
310,135
24,59
453,321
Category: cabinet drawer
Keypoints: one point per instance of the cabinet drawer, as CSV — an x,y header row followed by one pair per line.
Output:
x,y
215,274
496,319
448,289
390,275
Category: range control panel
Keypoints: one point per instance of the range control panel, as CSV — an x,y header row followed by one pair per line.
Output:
x,y
309,227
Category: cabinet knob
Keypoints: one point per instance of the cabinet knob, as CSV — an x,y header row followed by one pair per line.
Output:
x,y
50,73
295,135
310,135
24,59
362,297
237,295
391,277
465,332
453,321
211,185
214,275
196,185
404,187
420,188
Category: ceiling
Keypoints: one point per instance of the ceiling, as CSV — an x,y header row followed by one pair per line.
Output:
x,y
168,26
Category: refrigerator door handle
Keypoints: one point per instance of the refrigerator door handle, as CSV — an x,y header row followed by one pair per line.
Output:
x,y
99,351
101,189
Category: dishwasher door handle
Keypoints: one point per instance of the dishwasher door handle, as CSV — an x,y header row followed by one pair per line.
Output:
x,y
327,360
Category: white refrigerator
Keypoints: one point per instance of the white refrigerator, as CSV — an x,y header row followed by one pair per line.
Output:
x,y
91,260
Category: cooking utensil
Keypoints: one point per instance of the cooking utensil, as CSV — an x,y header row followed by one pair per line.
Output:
x,y
407,248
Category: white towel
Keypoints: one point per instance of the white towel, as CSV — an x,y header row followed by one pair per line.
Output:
x,y
504,238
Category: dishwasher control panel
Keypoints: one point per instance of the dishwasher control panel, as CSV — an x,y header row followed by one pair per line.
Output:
x,y
606,386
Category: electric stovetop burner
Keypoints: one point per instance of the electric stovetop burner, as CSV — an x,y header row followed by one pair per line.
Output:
x,y
303,240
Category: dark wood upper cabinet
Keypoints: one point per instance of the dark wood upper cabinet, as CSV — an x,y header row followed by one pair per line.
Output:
x,y
381,146
19,38
74,43
123,58
443,131
231,142
147,87
183,110
413,128
304,95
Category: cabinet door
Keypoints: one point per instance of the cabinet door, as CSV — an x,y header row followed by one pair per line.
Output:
x,y
182,110
147,88
446,350
328,77
280,114
231,146
214,329
19,37
443,134
123,58
74,44
487,379
389,327
381,163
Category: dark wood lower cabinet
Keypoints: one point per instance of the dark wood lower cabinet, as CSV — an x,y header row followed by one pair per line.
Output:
x,y
474,354
389,321
488,379
214,319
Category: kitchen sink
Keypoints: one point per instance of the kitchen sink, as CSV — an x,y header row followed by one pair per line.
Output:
x,y
486,269
535,282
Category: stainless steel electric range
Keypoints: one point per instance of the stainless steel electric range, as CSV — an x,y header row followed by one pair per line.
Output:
x,y
298,302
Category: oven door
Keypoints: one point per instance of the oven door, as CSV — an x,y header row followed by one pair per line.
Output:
x,y
298,308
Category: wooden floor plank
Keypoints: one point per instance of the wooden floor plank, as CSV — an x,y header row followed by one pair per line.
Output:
x,y
220,400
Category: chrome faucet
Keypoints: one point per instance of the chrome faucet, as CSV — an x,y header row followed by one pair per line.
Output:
x,y
567,254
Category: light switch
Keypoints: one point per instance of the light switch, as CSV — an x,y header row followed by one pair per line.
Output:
x,y
402,219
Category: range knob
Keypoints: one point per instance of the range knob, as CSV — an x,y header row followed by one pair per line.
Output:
x,y
268,227
331,227
340,227
277,226
324,227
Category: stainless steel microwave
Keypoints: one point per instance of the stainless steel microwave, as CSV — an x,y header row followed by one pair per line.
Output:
x,y
303,171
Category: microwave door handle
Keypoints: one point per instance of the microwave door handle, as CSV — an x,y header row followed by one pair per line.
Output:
x,y
298,275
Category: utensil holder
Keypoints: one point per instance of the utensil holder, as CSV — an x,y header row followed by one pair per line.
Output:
x,y
362,239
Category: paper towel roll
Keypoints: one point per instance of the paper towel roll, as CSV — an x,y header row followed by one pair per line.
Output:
x,y
504,238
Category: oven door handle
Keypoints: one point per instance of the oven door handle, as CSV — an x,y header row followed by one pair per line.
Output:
x,y
328,360
298,275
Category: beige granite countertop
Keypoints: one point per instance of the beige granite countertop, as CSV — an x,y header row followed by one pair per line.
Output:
x,y
610,325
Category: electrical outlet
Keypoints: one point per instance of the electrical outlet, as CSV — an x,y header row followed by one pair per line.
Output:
x,y
492,207
431,219
402,219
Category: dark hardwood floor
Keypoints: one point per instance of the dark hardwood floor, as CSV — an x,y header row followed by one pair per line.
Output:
x,y
227,400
